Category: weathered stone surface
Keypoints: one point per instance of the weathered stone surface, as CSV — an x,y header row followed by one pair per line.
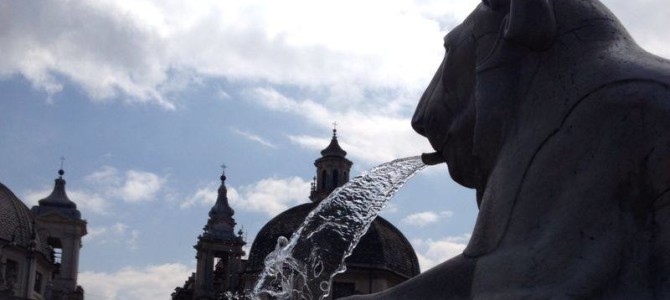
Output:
x,y
561,123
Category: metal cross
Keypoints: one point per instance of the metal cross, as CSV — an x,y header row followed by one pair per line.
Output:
x,y
223,168
62,160
335,125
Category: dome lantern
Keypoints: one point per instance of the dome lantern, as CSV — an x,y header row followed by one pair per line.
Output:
x,y
332,170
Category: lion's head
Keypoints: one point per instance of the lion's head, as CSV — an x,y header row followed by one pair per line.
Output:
x,y
470,107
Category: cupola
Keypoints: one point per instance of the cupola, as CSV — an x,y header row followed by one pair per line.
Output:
x,y
332,170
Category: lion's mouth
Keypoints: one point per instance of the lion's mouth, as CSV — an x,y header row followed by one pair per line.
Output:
x,y
431,159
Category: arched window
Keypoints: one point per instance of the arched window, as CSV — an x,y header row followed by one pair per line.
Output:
x,y
57,249
335,179
11,271
323,180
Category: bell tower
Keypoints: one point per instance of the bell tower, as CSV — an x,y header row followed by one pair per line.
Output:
x,y
58,219
332,170
219,250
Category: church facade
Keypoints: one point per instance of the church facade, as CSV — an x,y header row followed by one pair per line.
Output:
x,y
39,247
382,259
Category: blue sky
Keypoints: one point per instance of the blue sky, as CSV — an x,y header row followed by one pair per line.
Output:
x,y
146,99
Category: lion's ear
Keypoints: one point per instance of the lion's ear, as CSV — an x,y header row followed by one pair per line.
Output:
x,y
530,23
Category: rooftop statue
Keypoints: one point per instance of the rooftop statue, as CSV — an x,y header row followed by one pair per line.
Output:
x,y
561,122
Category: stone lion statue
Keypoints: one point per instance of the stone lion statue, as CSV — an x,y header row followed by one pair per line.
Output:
x,y
550,110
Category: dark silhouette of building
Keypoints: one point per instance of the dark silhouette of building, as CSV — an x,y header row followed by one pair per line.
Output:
x,y
382,259
39,248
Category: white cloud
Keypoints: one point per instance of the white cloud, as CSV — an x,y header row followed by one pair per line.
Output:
x,y
205,196
253,137
92,43
106,175
135,283
119,228
87,202
370,136
271,195
95,233
133,186
117,233
391,208
377,129
133,49
94,195
31,197
130,48
223,95
421,219
141,186
432,252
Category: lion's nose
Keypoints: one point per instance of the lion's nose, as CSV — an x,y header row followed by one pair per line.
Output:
x,y
418,119
417,122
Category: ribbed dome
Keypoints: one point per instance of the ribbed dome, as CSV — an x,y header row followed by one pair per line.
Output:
x,y
382,247
16,222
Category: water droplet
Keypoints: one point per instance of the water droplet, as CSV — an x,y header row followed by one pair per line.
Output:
x,y
324,286
318,268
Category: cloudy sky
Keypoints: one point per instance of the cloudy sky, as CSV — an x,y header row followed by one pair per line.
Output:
x,y
145,99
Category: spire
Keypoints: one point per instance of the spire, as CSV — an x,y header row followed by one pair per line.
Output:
x,y
221,208
221,223
334,148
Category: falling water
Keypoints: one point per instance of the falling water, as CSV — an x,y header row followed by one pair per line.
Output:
x,y
304,266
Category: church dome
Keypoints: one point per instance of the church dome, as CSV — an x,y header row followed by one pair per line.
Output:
x,y
16,222
383,247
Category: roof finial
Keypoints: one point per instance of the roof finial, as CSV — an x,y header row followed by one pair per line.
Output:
x,y
61,172
334,129
223,172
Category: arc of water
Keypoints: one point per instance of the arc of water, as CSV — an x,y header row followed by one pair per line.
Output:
x,y
304,266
